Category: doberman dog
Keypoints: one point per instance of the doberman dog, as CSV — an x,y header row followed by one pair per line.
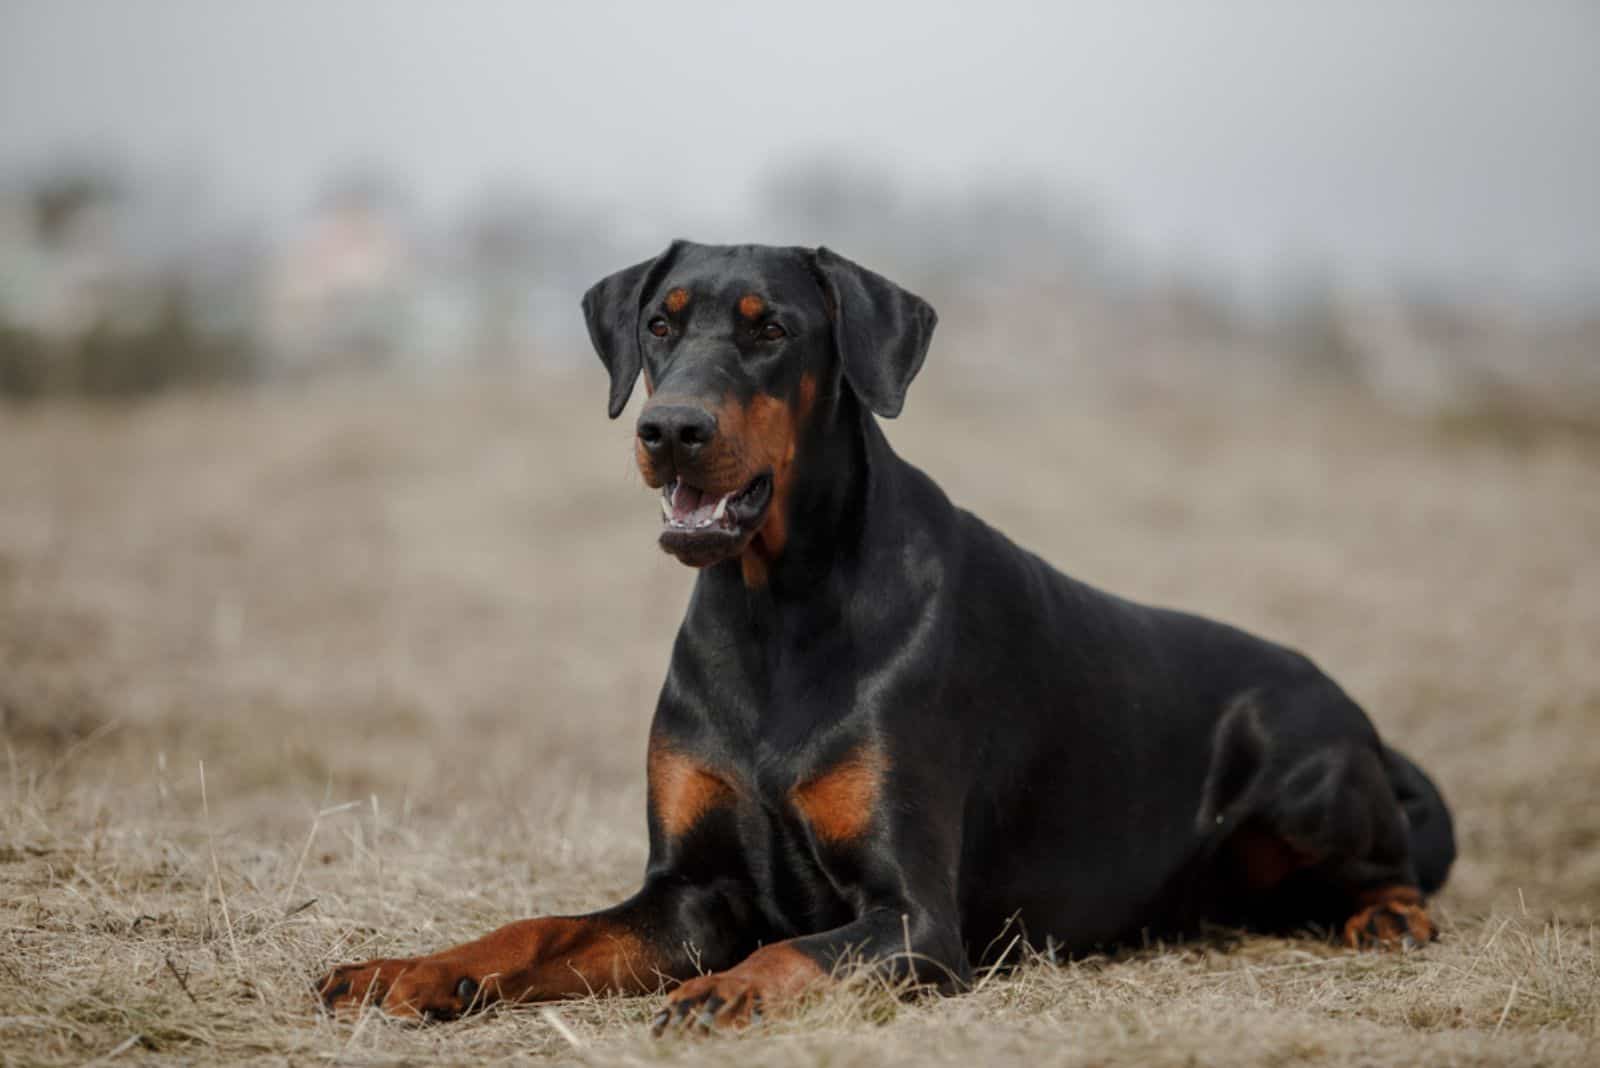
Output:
x,y
891,738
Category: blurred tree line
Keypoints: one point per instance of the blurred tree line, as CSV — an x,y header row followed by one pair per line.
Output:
x,y
108,289
76,320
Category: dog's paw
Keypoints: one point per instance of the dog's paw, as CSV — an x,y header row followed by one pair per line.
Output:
x,y
1393,923
418,988
768,980
712,1002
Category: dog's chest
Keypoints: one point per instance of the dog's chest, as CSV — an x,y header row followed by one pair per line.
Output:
x,y
804,835
831,804
798,827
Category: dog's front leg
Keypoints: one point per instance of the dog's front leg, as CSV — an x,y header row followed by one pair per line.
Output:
x,y
903,942
633,947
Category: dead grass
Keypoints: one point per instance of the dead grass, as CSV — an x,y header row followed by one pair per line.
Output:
x,y
414,636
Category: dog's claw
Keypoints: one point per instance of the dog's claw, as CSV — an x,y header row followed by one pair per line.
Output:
x,y
658,1022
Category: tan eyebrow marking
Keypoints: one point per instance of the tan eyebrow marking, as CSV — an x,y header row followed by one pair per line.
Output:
x,y
677,300
751,306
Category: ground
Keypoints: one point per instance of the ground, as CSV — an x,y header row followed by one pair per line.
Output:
x,y
312,673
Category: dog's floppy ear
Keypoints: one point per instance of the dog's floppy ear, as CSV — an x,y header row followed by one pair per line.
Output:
x,y
882,331
611,309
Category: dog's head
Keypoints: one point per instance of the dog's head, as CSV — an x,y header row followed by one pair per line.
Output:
x,y
743,348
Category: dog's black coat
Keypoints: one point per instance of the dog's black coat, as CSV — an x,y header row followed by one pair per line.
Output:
x,y
888,733
1090,770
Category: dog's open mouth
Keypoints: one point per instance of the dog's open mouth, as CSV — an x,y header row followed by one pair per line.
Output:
x,y
702,528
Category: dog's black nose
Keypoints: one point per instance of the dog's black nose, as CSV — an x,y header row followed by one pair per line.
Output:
x,y
677,430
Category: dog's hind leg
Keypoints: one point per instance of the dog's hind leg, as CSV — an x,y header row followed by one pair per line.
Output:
x,y
1321,833
1433,837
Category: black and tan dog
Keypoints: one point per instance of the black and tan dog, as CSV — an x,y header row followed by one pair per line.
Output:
x,y
889,735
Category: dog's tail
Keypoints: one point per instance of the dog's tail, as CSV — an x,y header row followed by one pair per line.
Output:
x,y
1433,837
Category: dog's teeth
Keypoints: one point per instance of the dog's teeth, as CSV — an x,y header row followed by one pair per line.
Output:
x,y
722,508
666,510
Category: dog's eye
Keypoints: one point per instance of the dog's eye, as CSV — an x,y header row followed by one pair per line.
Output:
x,y
658,327
772,332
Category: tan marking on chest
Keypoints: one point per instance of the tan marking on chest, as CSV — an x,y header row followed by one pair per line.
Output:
x,y
839,803
683,790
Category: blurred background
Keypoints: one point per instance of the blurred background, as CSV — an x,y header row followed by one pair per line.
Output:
x,y
1404,198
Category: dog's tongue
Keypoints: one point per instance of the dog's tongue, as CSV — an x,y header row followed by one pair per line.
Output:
x,y
691,508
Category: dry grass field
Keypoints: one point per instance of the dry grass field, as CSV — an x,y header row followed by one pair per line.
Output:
x,y
300,675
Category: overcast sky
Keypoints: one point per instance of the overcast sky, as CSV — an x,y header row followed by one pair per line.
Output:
x,y
1451,139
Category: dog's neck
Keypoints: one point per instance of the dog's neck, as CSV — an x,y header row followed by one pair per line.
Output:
x,y
842,464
